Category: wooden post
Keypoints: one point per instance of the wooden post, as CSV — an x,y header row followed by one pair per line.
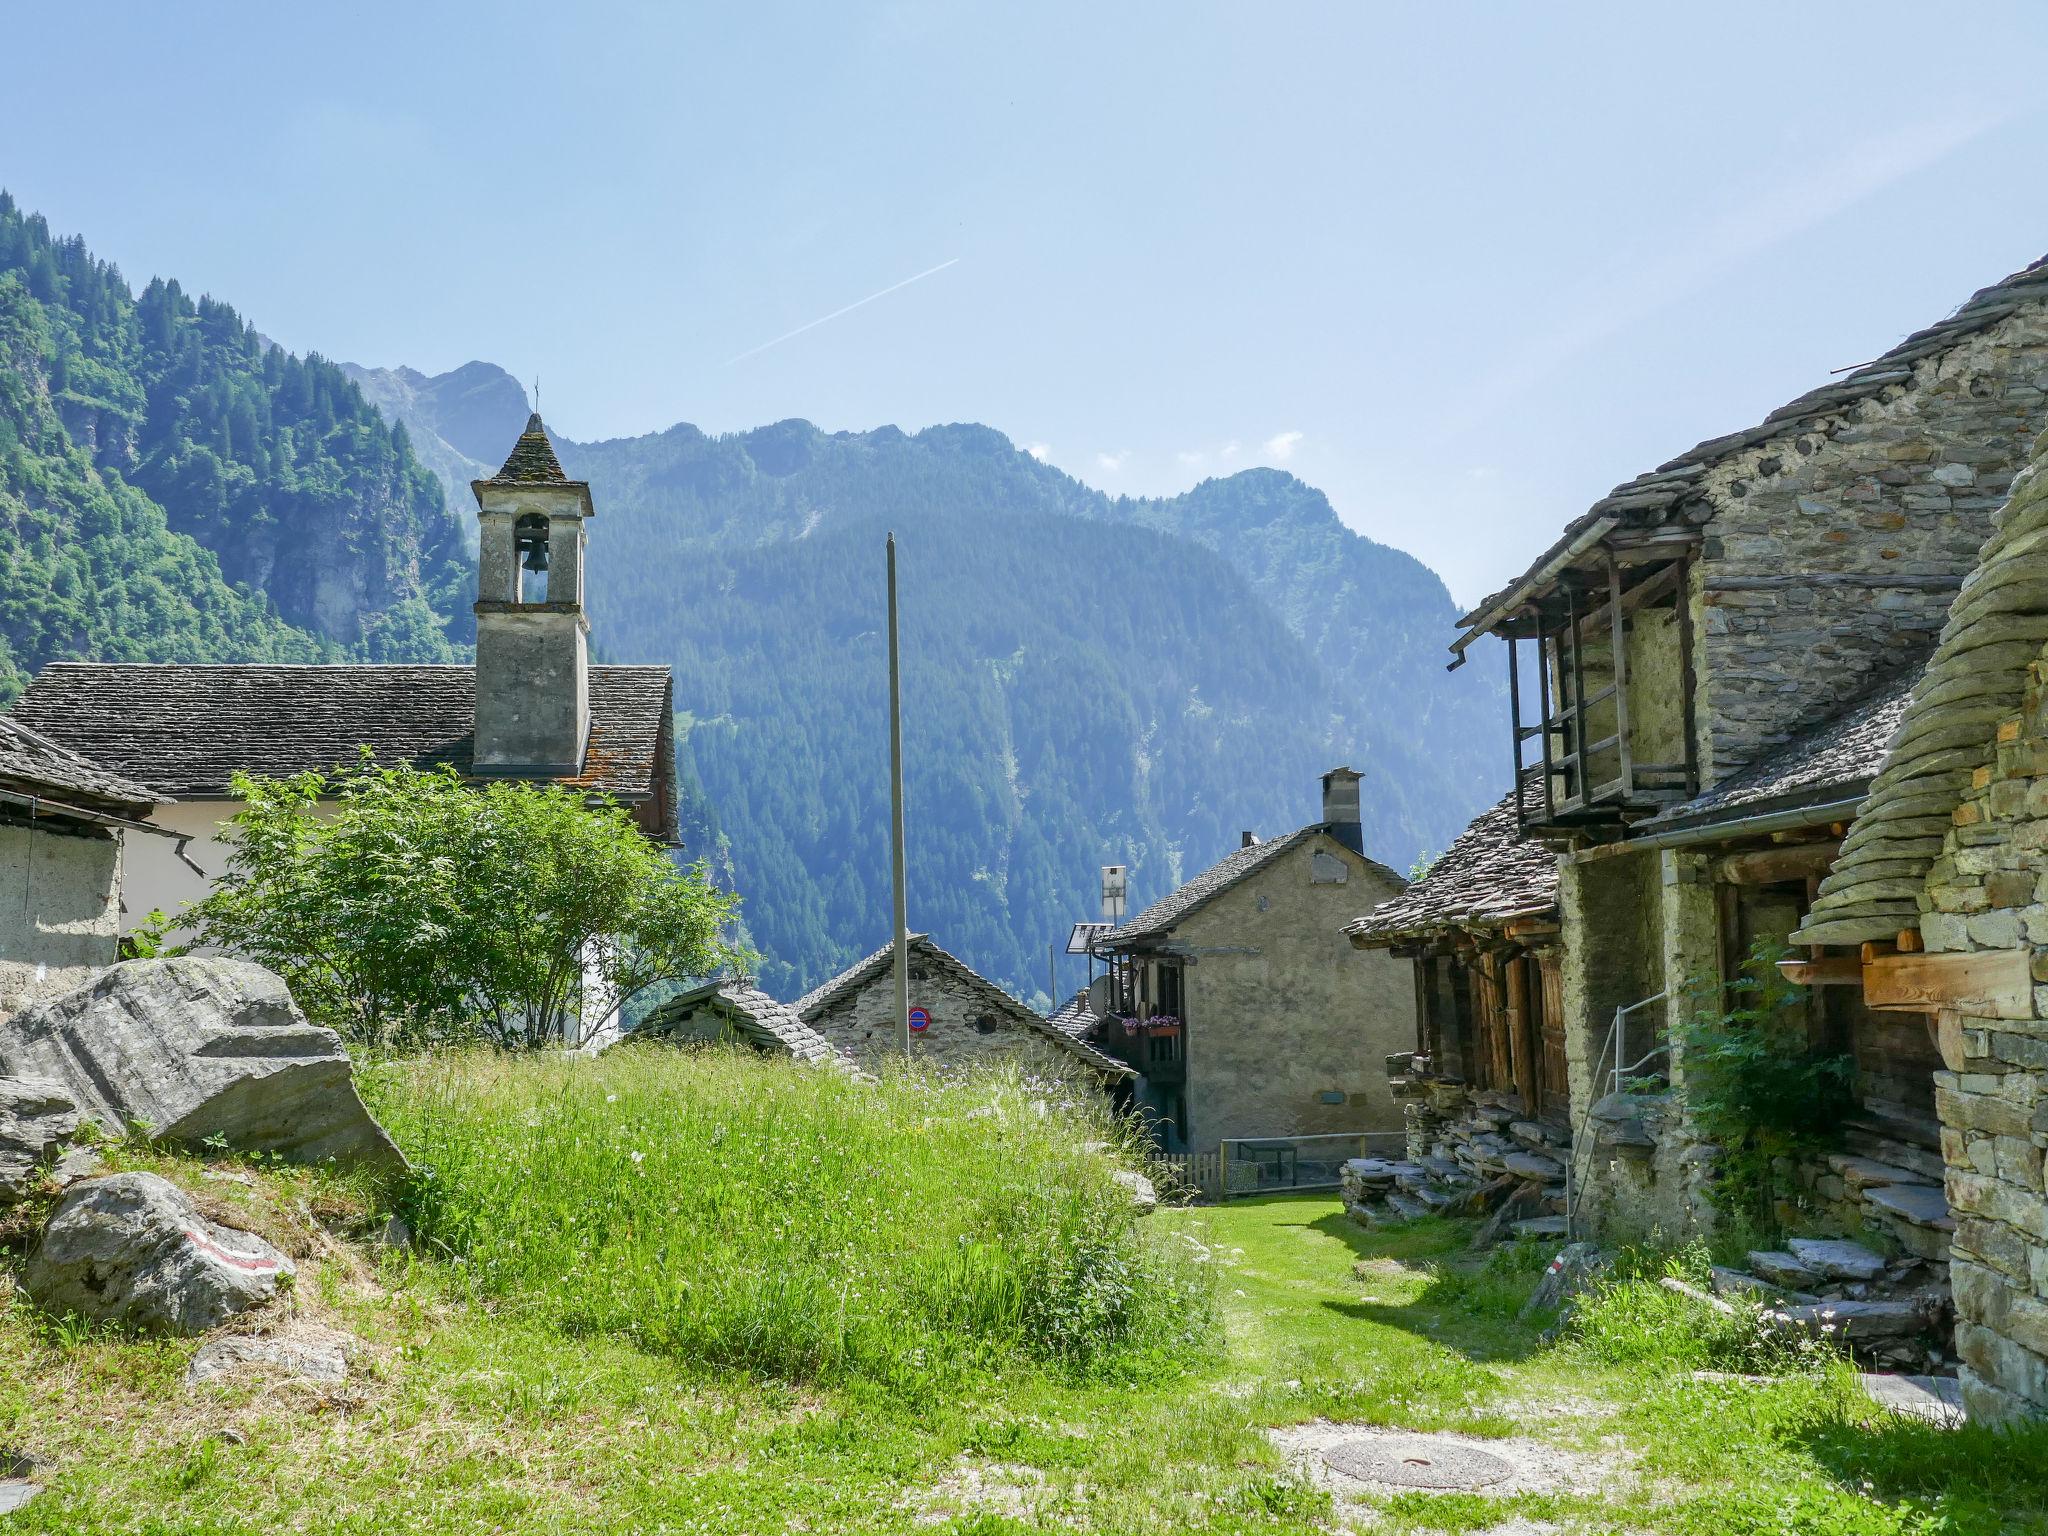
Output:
x,y
902,919
1618,633
1691,724
1520,1057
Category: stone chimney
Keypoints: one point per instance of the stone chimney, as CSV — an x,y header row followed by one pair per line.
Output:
x,y
1340,808
532,637
1248,839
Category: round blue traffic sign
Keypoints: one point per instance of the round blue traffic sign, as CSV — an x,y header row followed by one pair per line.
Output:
x,y
920,1020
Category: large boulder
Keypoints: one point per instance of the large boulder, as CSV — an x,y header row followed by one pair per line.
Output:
x,y
133,1250
37,1118
199,1047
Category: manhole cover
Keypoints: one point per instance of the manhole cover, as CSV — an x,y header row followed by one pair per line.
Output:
x,y
1418,1462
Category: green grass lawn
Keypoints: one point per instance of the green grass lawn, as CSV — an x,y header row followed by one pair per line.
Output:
x,y
474,1408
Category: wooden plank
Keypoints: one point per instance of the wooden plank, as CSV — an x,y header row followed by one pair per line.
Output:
x,y
1774,866
1521,1067
1994,983
1829,971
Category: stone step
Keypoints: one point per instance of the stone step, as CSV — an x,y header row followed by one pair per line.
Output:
x,y
1445,1171
1406,1207
1533,1165
1735,1282
1861,1173
1937,1399
1542,1226
1858,1320
1919,1205
1430,1195
1781,1268
1836,1258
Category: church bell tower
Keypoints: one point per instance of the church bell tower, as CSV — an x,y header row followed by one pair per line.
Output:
x,y
532,637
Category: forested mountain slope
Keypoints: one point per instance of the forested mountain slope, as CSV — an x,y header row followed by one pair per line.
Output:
x,y
173,488
1089,680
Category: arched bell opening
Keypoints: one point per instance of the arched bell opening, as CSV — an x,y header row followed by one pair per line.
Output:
x,y
530,548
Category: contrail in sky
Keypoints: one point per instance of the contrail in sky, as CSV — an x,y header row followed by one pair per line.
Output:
x,y
812,325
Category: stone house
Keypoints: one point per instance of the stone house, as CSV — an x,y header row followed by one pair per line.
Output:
x,y
1485,1089
1936,904
1242,1004
736,1012
1704,671
532,707
967,1020
64,823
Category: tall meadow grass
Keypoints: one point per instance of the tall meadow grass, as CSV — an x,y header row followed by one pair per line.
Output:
x,y
739,1211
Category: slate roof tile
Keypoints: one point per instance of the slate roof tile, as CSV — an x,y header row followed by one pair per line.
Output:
x,y
760,1018
1650,498
32,764
532,460
1487,876
1829,761
185,730
1175,907
842,987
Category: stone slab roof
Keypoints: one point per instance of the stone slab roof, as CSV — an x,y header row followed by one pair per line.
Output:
x,y
1976,678
1651,498
532,460
185,730
1174,908
1831,761
755,1015
1488,876
841,989
32,764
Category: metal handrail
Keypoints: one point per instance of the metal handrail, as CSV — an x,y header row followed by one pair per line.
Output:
x,y
1609,1051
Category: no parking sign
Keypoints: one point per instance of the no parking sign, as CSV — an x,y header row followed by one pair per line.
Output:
x,y
920,1020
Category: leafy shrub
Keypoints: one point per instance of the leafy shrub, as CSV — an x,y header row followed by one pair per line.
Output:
x,y
1756,1088
726,1208
410,908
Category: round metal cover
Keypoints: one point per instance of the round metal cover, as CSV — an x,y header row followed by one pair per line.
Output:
x,y
1417,1461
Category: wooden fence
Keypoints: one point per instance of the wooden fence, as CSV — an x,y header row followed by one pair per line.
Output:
x,y
1196,1174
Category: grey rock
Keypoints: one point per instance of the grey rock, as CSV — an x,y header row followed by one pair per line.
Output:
x,y
1531,1165
15,1492
37,1119
1837,1258
1143,1195
1576,1266
306,1352
132,1249
1923,1205
1858,1320
1782,1269
194,1048
1542,1226
1937,1399
1733,1282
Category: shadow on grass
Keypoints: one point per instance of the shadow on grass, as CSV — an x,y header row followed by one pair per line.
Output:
x,y
1974,1470
1468,1303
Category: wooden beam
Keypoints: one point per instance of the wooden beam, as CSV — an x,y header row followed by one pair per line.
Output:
x,y
1774,866
1829,971
1993,983
1909,941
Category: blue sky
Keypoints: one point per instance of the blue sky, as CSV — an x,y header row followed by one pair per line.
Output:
x,y
1462,266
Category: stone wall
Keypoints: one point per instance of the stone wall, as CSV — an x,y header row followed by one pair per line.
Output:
x,y
967,1029
1283,1013
1833,552
60,913
1987,890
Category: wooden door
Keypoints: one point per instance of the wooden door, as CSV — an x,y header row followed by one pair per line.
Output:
x,y
1552,1073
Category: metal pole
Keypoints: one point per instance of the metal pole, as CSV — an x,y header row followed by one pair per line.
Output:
x,y
1052,976
902,939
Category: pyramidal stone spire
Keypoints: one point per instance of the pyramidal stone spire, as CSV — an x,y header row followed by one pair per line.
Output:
x,y
532,460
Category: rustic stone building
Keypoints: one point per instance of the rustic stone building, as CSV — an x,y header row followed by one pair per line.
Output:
x,y
1940,886
532,707
1705,668
970,1020
1485,1090
1243,1005
736,1012
64,822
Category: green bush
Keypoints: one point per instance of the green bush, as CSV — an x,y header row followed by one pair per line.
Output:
x,y
740,1211
1756,1088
